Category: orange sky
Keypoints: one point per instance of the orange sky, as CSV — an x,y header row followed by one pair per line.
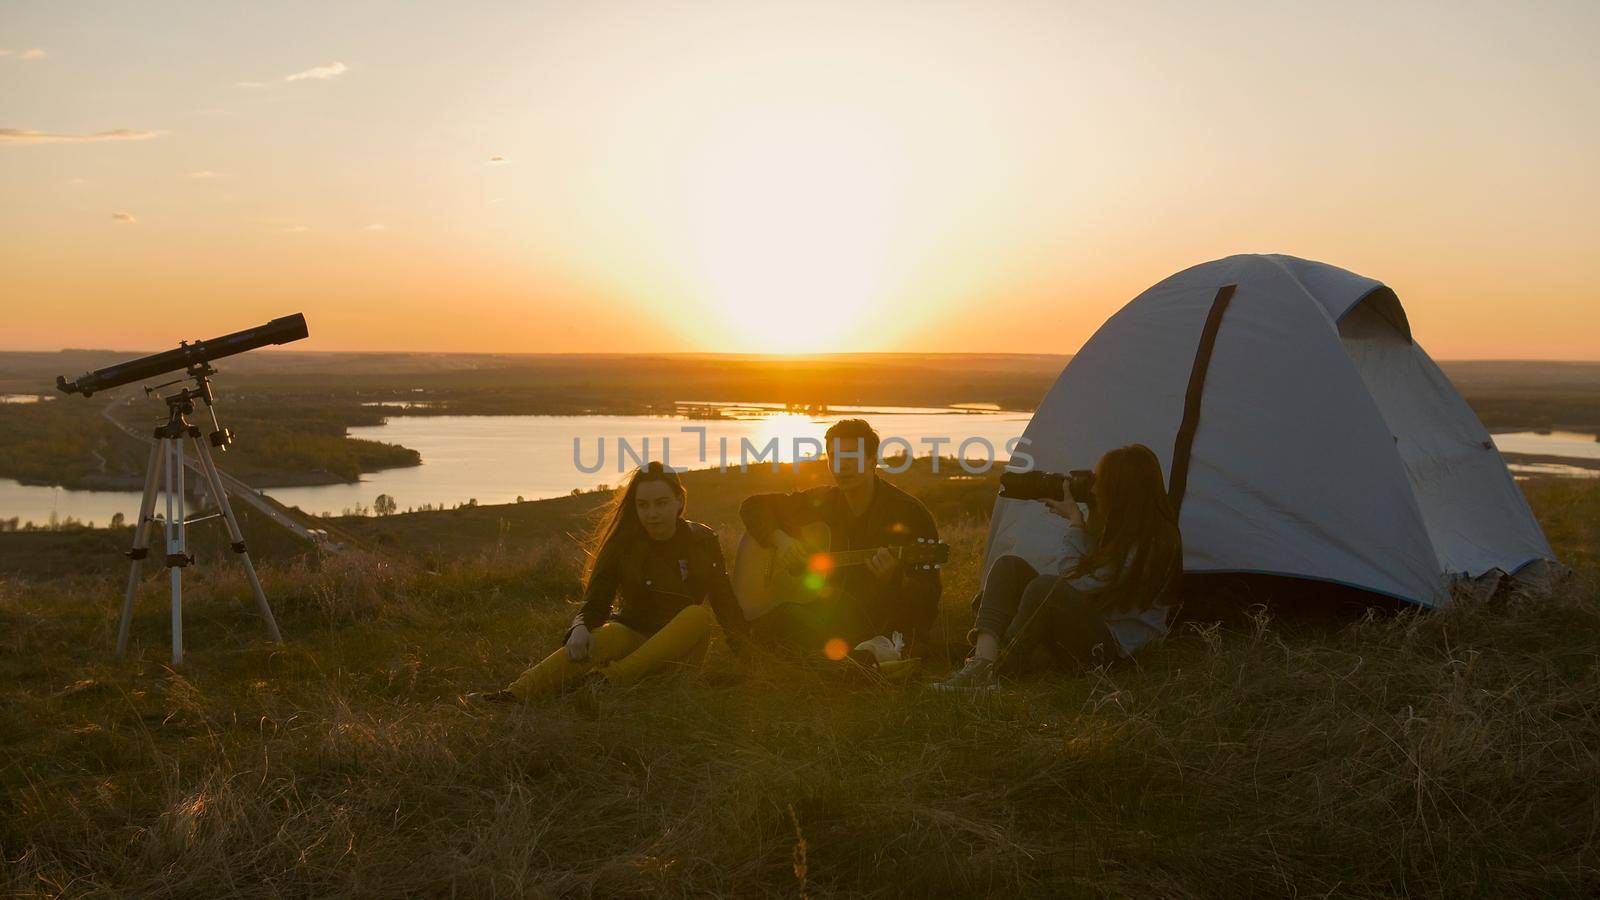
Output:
x,y
754,177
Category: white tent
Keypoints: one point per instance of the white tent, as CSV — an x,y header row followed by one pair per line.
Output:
x,y
1326,445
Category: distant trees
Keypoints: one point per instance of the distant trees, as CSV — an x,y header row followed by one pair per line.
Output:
x,y
68,443
55,523
56,443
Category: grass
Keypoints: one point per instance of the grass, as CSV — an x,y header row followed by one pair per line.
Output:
x,y
1446,754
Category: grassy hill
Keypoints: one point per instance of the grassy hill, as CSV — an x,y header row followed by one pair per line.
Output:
x,y
1445,754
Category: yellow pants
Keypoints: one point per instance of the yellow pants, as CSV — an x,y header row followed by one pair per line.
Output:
x,y
622,655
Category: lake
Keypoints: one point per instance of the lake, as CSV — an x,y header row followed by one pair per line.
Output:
x,y
495,459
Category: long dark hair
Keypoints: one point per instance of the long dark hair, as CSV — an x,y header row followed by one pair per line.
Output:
x,y
1135,527
618,527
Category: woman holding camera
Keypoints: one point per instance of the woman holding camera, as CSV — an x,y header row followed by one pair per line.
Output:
x,y
665,569
1109,596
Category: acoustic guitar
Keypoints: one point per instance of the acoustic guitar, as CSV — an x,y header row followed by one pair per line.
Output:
x,y
762,585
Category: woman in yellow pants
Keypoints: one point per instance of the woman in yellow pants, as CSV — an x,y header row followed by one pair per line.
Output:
x,y
651,574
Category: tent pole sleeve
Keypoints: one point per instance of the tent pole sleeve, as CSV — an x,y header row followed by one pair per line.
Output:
x,y
1184,444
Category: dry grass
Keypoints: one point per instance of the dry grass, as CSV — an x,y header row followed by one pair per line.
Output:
x,y
1447,754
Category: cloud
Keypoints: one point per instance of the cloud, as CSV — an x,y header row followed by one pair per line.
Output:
x,y
79,180
315,73
29,54
24,136
206,174
320,73
497,159
295,229
124,217
377,226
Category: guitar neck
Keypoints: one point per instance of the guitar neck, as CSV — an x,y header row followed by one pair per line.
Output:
x,y
844,558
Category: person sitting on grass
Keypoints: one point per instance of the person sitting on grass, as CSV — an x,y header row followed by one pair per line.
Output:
x,y
665,569
1110,593
862,510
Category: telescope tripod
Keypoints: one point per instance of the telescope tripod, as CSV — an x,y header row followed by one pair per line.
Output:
x,y
165,475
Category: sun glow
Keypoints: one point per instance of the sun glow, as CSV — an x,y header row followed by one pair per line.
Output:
x,y
792,229
787,429
734,176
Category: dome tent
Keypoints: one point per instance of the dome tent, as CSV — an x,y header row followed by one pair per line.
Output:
x,y
1303,431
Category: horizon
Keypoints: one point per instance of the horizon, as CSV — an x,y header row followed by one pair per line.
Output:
x,y
772,179
716,353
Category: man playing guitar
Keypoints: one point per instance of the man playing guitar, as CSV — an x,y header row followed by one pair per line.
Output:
x,y
860,510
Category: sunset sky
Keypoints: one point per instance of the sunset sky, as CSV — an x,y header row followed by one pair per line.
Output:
x,y
774,177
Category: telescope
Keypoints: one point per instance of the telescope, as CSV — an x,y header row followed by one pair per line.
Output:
x,y
199,353
165,473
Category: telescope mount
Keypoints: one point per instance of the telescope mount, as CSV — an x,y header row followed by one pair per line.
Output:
x,y
165,475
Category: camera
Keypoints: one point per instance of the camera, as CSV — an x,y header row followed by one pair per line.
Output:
x,y
1078,483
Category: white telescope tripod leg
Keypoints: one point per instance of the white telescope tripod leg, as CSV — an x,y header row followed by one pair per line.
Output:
x,y
141,542
175,542
220,497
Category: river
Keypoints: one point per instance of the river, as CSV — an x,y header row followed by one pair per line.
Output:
x,y
496,459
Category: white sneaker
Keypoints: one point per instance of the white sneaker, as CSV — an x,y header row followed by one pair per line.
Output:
x,y
977,675
884,649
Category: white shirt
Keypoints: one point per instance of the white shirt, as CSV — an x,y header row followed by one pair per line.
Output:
x,y
1132,630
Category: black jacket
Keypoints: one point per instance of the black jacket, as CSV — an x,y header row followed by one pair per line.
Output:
x,y
910,601
652,581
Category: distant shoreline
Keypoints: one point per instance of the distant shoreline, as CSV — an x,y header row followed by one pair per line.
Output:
x,y
264,482
1535,459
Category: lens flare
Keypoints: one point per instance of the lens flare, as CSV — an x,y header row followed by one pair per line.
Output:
x,y
836,649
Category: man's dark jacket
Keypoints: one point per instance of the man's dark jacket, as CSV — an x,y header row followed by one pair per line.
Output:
x,y
906,603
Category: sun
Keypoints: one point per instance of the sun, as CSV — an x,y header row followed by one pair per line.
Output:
x,y
791,231
786,429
